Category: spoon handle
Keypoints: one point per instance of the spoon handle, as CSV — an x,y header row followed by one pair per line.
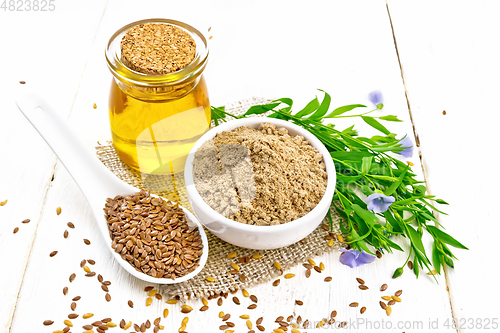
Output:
x,y
93,178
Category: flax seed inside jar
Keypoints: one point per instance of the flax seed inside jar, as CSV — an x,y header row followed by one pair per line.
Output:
x,y
153,235
159,105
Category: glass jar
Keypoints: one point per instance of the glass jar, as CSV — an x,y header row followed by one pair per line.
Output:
x,y
155,119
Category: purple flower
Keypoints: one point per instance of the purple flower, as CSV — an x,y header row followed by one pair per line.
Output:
x,y
378,202
354,258
408,152
376,98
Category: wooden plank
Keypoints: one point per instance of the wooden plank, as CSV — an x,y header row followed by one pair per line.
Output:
x,y
451,64
38,49
326,45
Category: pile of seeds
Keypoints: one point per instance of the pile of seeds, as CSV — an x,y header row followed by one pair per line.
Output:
x,y
153,235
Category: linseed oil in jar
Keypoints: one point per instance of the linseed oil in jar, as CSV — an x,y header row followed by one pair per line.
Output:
x,y
158,105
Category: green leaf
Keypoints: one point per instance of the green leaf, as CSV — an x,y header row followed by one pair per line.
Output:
x,y
310,108
416,268
343,109
367,163
286,100
323,108
392,179
259,109
369,217
444,237
392,221
375,124
437,258
390,118
390,190
416,240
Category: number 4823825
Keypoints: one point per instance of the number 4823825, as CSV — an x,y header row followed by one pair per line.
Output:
x,y
28,5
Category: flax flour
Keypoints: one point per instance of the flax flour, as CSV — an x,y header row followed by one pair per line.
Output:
x,y
260,176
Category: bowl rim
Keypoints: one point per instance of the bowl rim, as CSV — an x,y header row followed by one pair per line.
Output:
x,y
251,122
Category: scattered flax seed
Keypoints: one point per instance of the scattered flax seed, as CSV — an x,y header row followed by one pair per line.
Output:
x,y
433,272
152,292
444,112
363,287
386,298
87,327
276,282
172,301
58,210
245,293
379,254
231,255
68,323
383,287
410,264
148,288
396,298
87,315
53,253
107,297
257,256
104,287
16,229
204,301
289,276
26,221
360,281
65,234
391,302
72,277
71,225
254,298
76,298
165,313
86,269
245,316
398,293
321,266
149,300
90,274
210,279
277,265
249,324
252,306
235,266
65,290
354,304
92,262
204,308
3,203
328,279
362,310
48,322
111,324
280,318
330,242
340,238
308,273
261,328
221,314
259,321
243,278
219,301
127,326
317,269
158,296
311,262
299,302
226,317
388,310
86,241
236,300
94,106
22,82
73,306
382,305
72,316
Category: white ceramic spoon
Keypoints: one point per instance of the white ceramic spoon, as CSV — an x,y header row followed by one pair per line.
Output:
x,y
95,181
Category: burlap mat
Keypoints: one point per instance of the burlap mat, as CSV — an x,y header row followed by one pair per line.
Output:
x,y
218,265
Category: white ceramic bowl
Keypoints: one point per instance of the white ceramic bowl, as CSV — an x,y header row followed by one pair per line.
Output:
x,y
252,236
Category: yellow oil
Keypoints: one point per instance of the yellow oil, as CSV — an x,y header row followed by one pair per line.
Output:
x,y
154,132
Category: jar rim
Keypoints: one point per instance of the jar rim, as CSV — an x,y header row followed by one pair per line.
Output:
x,y
127,75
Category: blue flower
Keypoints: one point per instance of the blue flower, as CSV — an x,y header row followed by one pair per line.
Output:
x,y
378,202
354,258
376,98
408,152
